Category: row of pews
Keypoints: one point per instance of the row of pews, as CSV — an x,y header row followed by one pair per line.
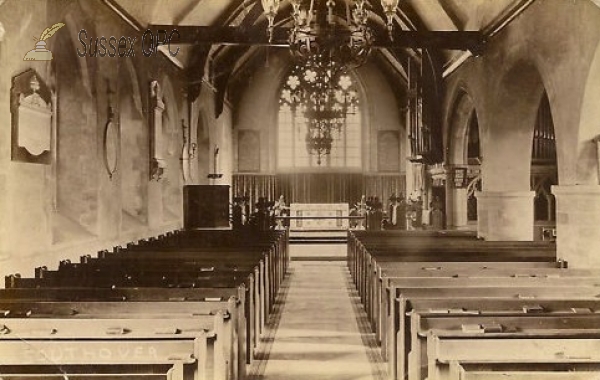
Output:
x,y
445,305
187,305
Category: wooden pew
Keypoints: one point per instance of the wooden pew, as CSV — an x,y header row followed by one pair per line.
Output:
x,y
448,298
382,273
162,278
250,328
454,254
550,346
373,279
230,336
374,290
183,345
212,296
164,272
466,254
547,371
367,247
266,261
275,241
369,256
153,261
497,321
394,288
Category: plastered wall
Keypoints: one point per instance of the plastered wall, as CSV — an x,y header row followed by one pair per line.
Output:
x,y
551,46
73,206
258,107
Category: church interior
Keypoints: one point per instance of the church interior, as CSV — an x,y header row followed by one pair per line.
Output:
x,y
299,189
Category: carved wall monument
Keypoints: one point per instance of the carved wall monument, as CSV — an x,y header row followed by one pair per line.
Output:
x,y
32,110
157,162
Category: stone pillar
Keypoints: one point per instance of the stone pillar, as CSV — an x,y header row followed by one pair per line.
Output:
x,y
578,225
456,207
505,215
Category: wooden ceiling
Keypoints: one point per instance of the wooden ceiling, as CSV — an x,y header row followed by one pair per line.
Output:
x,y
229,33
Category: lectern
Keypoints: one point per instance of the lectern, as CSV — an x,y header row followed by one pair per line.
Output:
x,y
205,206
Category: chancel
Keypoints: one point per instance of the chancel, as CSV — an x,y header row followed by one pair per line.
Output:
x,y
300,189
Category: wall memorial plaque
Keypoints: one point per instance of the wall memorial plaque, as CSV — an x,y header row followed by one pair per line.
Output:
x,y
460,178
31,114
248,151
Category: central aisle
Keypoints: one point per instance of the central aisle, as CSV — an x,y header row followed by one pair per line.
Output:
x,y
318,330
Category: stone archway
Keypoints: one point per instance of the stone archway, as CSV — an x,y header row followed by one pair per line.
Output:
x,y
578,199
462,113
588,154
505,209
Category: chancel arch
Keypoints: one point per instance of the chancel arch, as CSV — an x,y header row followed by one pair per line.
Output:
x,y
379,162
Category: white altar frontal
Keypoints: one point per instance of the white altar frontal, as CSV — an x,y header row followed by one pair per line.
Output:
x,y
319,216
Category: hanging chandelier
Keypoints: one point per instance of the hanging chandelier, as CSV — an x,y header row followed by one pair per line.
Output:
x,y
326,37
325,100
325,111
316,41
325,45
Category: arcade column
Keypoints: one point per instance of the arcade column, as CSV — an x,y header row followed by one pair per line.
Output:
x,y
456,207
578,225
505,215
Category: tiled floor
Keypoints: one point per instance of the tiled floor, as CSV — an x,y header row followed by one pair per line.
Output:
x,y
318,330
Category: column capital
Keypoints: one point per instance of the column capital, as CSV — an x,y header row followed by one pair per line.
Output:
x,y
504,194
593,190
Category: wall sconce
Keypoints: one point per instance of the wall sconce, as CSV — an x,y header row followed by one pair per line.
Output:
x,y
214,174
190,152
596,140
193,148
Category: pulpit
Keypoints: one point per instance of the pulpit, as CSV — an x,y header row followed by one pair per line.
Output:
x,y
206,206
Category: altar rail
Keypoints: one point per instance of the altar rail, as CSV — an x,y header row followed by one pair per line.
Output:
x,y
318,187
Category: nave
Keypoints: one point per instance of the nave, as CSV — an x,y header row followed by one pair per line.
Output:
x,y
319,328
223,305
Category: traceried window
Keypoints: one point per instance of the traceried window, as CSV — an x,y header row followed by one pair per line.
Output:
x,y
317,110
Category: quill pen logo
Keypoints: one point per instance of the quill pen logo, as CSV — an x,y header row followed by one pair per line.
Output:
x,y
40,53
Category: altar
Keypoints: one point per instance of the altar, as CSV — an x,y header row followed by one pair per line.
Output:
x,y
319,216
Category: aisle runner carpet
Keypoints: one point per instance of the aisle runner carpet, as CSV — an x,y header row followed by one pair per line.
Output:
x,y
318,330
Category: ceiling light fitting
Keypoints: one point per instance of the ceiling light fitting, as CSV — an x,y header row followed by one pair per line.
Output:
x,y
328,37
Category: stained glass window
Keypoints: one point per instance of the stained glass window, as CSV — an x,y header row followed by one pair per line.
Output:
x,y
317,108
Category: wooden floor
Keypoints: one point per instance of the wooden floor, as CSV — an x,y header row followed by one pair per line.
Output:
x,y
319,328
